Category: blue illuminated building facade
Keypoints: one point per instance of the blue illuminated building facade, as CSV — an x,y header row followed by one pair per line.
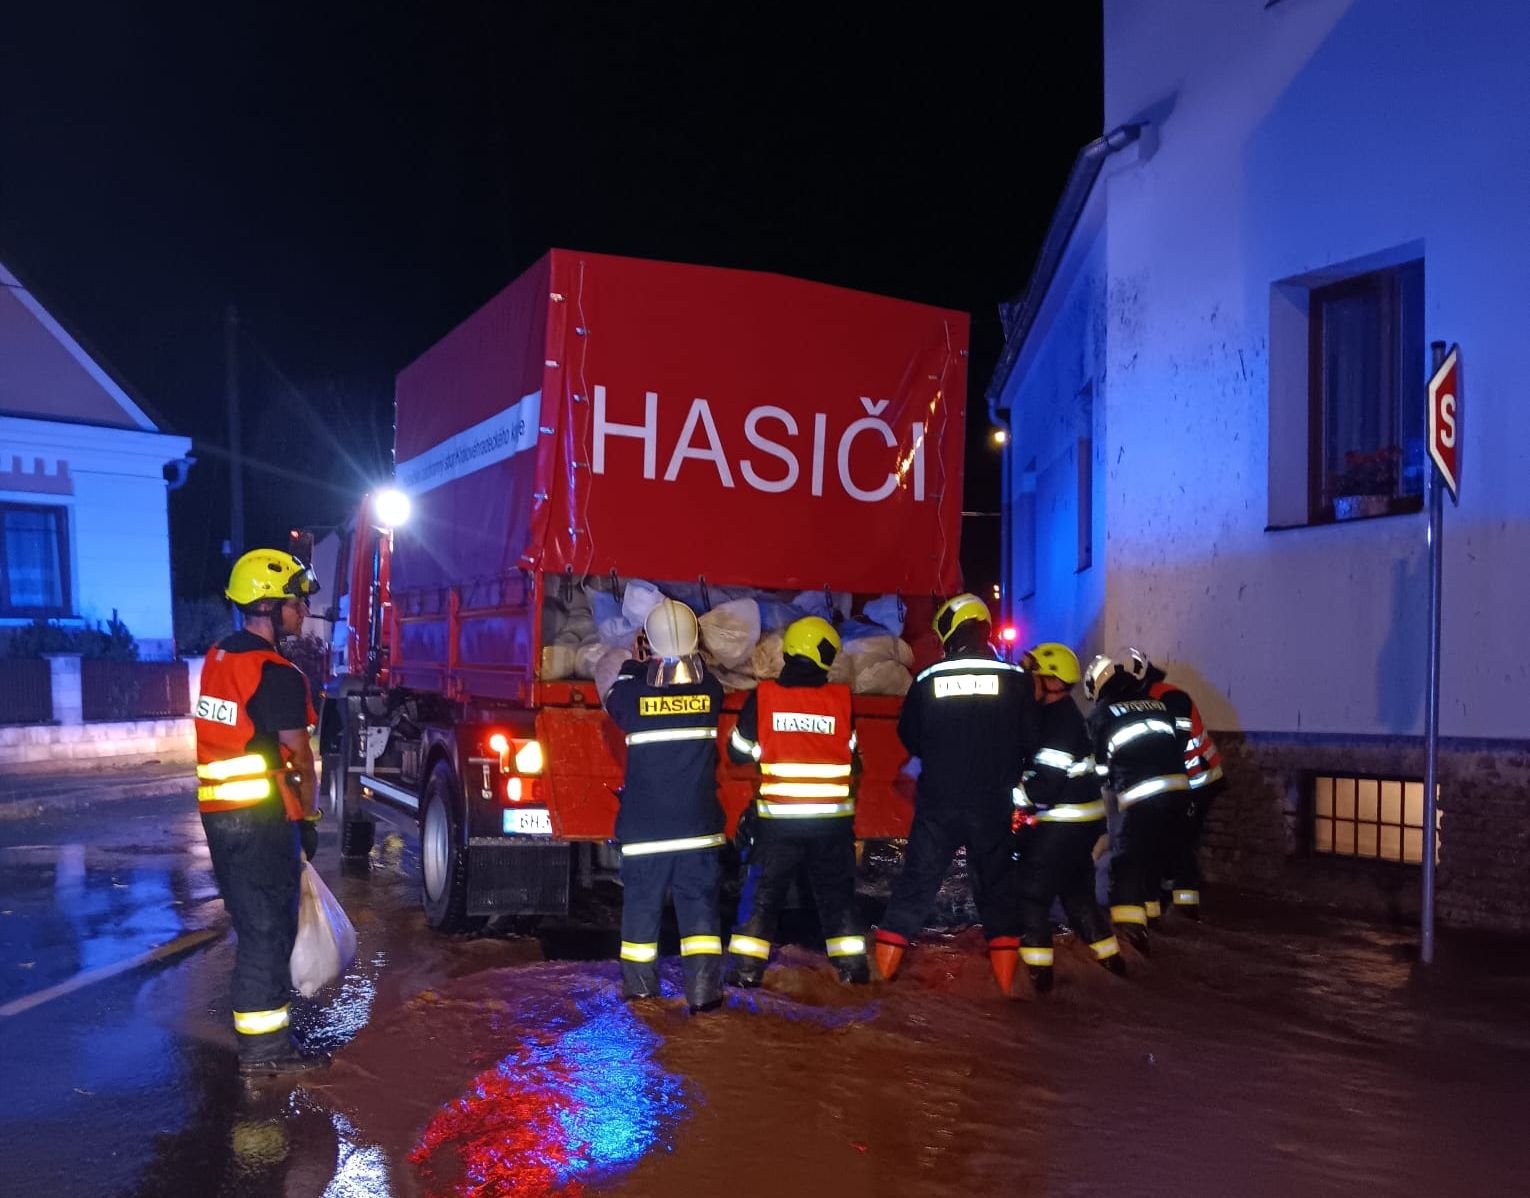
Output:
x,y
1214,385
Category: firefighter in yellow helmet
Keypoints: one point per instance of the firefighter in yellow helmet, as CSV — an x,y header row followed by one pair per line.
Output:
x,y
970,719
255,790
798,730
1061,813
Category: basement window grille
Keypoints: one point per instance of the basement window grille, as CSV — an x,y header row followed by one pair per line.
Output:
x,y
1369,818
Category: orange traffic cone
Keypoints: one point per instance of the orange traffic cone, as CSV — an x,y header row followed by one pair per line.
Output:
x,y
1003,954
889,951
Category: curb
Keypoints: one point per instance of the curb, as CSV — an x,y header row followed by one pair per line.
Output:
x,y
90,792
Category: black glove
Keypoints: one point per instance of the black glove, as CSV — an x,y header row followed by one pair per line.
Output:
x,y
744,831
308,834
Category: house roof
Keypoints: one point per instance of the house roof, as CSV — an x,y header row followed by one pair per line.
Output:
x,y
46,373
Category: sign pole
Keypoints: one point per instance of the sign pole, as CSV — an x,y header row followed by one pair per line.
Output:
x,y
1432,706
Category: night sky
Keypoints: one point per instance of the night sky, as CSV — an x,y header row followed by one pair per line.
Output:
x,y
358,178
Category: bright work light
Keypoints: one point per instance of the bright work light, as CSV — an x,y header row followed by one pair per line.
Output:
x,y
391,507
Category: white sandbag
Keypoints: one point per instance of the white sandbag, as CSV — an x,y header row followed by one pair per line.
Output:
x,y
883,678
888,611
569,637
554,619
730,631
580,625
639,599
767,660
586,656
607,666
326,941
557,662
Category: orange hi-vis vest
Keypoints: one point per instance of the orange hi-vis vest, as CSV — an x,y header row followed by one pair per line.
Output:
x,y
1203,760
230,775
806,744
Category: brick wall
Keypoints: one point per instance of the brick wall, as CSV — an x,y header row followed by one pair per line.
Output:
x,y
1256,835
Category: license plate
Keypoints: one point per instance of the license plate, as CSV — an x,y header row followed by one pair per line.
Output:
x,y
528,823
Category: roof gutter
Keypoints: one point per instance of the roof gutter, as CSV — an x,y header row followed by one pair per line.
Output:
x,y
1019,315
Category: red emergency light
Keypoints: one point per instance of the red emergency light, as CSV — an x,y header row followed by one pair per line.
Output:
x,y
1009,634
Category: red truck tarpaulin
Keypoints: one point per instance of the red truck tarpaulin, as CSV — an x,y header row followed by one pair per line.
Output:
x,y
669,421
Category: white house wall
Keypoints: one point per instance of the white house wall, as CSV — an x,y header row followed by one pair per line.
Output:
x,y
118,518
1295,138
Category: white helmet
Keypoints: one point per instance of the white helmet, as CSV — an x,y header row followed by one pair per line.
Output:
x,y
1101,670
671,629
1135,662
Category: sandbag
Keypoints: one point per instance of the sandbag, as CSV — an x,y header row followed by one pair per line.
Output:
x,y
586,656
326,941
887,612
867,650
767,660
639,599
882,678
607,666
558,661
730,631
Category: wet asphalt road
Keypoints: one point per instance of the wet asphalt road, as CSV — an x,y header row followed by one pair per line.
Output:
x,y
1280,1052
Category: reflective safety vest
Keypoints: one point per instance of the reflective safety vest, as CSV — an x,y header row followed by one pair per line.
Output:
x,y
1203,760
230,775
806,743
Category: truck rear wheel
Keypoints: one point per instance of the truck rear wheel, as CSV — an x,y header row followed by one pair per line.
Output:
x,y
343,792
443,854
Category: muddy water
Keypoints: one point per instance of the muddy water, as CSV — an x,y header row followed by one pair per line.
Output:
x,y
1252,1060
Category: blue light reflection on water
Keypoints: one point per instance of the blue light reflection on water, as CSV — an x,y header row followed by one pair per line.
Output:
x,y
584,1101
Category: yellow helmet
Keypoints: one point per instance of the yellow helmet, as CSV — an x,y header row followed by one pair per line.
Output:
x,y
1053,660
811,637
957,611
269,574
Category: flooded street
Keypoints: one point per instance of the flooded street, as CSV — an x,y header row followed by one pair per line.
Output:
x,y
1271,1051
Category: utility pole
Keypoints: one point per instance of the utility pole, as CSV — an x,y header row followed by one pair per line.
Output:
x,y
235,450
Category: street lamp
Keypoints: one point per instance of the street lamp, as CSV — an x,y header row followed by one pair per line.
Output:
x,y
999,437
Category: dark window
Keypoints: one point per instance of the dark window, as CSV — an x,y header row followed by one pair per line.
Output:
x,y
34,561
1367,383
1376,819
1024,564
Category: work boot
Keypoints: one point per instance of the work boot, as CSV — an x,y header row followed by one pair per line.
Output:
x,y
1115,964
853,970
290,1061
745,977
1041,978
703,1008
1136,935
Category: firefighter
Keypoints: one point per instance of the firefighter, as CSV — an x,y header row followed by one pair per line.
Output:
x,y
798,730
1180,876
255,789
1141,751
1062,816
971,721
670,825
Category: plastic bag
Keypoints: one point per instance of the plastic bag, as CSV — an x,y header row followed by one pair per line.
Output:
x,y
326,941
816,603
730,631
887,612
882,678
767,660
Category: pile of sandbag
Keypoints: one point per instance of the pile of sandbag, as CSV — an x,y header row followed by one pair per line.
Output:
x,y
587,632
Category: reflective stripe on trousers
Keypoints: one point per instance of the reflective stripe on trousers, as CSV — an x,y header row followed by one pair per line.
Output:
x,y
1073,813
260,1023
1128,914
684,844
769,810
846,946
1104,949
749,946
639,952
1035,956
1152,786
691,946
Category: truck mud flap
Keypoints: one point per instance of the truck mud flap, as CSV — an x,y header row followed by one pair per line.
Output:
x,y
508,877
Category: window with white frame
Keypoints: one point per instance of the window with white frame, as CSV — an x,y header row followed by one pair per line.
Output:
x,y
34,560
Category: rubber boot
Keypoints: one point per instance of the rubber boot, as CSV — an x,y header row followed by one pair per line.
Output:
x,y
1115,964
1041,978
274,1053
853,970
889,957
1136,935
1003,957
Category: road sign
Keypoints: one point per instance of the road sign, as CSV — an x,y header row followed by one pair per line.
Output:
x,y
1445,419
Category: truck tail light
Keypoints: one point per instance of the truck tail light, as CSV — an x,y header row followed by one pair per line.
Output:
x,y
529,758
519,790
